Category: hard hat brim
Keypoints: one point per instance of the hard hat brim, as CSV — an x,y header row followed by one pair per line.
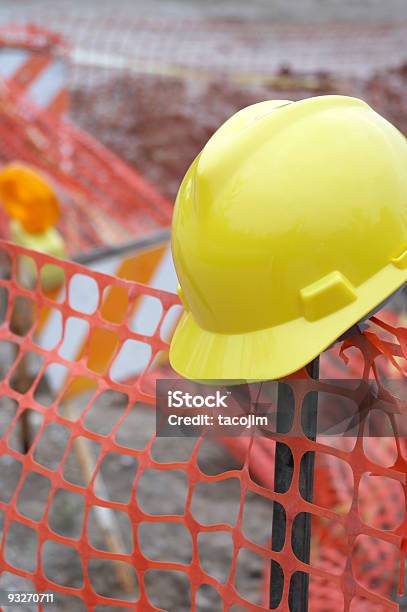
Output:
x,y
276,352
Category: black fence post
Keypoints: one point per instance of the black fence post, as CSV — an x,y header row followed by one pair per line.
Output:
x,y
283,471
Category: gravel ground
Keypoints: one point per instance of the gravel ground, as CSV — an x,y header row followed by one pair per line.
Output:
x,y
160,124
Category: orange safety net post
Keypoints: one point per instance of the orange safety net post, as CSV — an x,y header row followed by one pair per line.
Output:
x,y
172,503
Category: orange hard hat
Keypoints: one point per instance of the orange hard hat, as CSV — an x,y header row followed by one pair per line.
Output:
x,y
28,197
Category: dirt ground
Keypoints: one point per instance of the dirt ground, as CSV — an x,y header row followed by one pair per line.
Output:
x,y
159,124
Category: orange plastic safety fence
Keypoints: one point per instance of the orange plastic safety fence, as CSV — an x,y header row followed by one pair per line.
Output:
x,y
104,201
106,515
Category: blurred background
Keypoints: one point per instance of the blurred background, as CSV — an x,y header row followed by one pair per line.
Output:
x,y
153,79
146,82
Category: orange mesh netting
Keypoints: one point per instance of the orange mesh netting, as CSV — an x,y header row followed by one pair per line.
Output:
x,y
106,515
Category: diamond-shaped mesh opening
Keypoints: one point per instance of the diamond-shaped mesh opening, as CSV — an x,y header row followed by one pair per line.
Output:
x,y
80,463
137,428
105,412
25,430
4,302
381,451
10,472
51,276
257,511
170,542
99,535
74,339
78,394
22,559
115,304
6,261
381,515
83,293
160,582
23,315
381,555
132,359
277,578
44,393
216,553
26,370
105,576
33,497
147,317
223,501
66,513
328,594
13,582
102,343
166,452
8,410
51,446
208,598
152,492
248,573
9,351
116,477
213,459
55,558
339,469
49,327
27,272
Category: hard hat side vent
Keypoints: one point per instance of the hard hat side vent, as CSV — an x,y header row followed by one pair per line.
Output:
x,y
326,295
401,260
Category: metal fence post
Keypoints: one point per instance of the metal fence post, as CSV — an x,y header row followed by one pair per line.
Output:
x,y
283,471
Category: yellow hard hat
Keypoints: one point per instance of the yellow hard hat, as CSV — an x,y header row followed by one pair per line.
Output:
x,y
50,242
289,227
28,197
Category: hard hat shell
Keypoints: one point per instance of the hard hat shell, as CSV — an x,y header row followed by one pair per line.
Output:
x,y
28,197
50,242
289,227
